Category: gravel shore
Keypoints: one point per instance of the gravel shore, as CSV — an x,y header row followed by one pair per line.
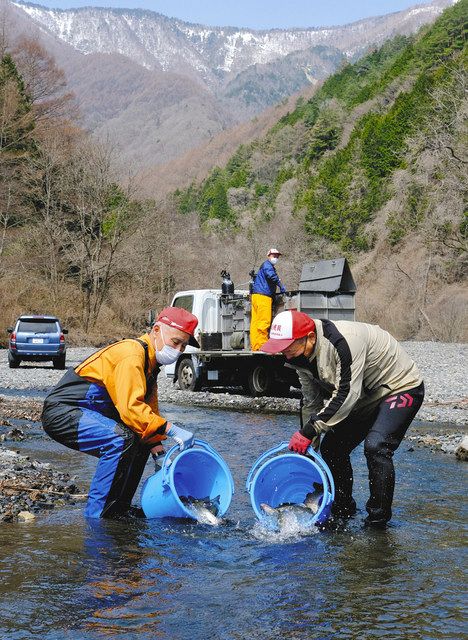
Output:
x,y
27,487
443,366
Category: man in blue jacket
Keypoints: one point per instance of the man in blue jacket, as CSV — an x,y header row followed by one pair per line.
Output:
x,y
264,289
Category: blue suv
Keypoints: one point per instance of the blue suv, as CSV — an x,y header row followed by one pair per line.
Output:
x,y
36,339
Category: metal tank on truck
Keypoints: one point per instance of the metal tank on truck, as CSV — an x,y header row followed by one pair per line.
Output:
x,y
326,290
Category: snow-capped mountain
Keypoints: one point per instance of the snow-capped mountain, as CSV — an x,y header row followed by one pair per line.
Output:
x,y
159,87
211,53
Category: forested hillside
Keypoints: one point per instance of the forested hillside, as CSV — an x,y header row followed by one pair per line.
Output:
x,y
63,215
372,166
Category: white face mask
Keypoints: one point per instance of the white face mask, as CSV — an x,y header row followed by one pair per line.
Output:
x,y
168,354
273,259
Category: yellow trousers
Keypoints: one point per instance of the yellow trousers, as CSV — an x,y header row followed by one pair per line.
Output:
x,y
260,321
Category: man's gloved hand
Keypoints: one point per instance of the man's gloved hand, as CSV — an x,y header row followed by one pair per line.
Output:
x,y
301,440
282,290
183,437
299,443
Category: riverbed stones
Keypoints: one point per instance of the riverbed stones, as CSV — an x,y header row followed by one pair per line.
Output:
x,y
26,516
30,486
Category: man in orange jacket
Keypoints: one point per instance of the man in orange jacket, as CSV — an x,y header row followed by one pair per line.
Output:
x,y
108,407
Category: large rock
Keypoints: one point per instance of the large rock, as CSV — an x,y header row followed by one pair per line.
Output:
x,y
26,516
462,449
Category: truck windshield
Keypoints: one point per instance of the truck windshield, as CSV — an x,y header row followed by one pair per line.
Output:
x,y
184,302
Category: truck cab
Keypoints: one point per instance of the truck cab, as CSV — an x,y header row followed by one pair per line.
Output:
x,y
203,303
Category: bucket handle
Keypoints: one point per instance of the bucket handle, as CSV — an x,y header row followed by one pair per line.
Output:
x,y
323,465
201,443
260,460
283,445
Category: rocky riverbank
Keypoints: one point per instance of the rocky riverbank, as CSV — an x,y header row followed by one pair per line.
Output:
x,y
30,486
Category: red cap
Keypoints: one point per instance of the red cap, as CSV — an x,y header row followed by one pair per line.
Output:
x,y
286,327
180,319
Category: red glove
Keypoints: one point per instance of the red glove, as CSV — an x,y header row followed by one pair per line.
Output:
x,y
299,443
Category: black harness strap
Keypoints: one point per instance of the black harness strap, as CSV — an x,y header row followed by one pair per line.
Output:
x,y
150,376
145,347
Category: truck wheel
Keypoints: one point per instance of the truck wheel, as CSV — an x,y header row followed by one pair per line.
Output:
x,y
259,380
59,362
13,361
281,389
187,376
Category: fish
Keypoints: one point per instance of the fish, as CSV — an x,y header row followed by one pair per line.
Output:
x,y
205,510
289,511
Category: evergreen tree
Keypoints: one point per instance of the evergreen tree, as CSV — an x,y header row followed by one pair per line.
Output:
x,y
16,146
16,120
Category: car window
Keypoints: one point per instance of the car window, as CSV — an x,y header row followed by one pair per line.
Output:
x,y
37,326
184,302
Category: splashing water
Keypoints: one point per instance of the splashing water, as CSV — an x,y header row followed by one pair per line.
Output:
x,y
293,525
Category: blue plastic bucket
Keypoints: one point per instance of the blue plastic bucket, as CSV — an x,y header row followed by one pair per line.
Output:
x,y
198,472
288,478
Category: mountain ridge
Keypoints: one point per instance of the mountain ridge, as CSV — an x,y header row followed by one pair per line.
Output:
x,y
264,44
238,75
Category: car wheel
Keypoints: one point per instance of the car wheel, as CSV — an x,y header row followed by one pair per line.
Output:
x,y
13,361
59,362
259,381
187,375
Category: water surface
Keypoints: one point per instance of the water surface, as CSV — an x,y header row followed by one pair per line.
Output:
x,y
63,577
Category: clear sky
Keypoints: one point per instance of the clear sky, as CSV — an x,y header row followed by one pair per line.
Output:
x,y
254,14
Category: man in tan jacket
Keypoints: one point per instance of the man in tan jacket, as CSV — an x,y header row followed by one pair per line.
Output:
x,y
358,384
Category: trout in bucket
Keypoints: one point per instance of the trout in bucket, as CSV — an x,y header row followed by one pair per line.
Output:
x,y
204,510
288,512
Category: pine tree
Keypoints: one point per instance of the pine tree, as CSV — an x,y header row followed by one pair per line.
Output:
x,y
16,146
16,120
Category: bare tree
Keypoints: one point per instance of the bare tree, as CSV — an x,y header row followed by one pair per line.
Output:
x,y
97,213
4,26
421,298
447,125
45,83
47,170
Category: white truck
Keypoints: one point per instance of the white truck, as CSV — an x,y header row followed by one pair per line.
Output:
x,y
326,290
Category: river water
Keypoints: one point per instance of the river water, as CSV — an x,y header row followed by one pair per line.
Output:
x,y
63,577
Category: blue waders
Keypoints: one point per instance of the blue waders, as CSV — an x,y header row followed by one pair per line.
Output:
x,y
81,415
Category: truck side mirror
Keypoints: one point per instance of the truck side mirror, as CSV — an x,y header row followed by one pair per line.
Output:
x,y
10,330
151,318
65,332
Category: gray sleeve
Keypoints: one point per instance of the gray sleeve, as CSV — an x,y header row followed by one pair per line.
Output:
x,y
312,394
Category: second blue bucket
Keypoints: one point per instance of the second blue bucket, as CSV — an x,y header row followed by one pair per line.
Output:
x,y
288,478
199,472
